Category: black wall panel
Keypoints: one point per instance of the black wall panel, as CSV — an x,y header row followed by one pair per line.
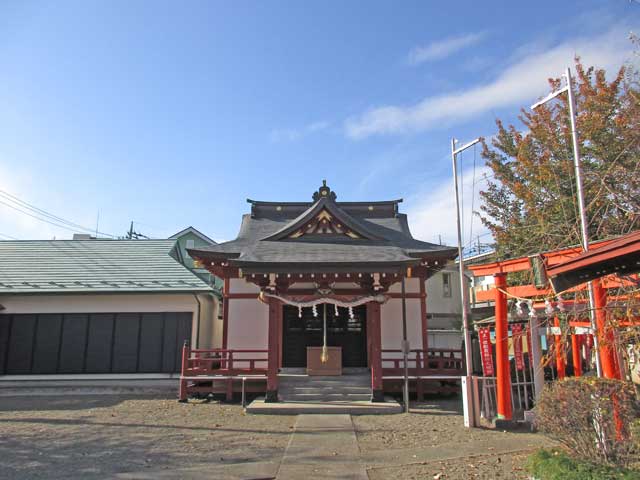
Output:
x,y
169,364
125,344
100,342
5,327
151,332
183,333
73,343
47,345
21,345
93,343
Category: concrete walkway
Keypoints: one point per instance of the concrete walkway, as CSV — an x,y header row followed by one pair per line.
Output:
x,y
322,446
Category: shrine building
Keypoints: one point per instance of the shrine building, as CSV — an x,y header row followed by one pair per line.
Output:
x,y
318,286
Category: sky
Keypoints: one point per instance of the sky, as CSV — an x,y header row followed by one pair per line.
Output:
x,y
172,114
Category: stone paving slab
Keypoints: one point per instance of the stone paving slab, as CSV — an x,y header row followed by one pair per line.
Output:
x,y
322,446
258,406
236,471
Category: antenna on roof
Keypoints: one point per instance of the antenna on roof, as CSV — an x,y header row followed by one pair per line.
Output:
x,y
133,235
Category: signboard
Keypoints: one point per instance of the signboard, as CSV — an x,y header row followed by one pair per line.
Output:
x,y
484,335
516,333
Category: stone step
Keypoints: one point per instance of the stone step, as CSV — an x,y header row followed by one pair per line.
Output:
x,y
258,406
324,398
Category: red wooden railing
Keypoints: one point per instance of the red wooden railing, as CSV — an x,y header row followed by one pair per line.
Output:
x,y
201,367
424,363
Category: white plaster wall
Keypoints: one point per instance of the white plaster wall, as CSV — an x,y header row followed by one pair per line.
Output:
x,y
391,323
445,339
412,285
99,303
248,324
437,302
240,285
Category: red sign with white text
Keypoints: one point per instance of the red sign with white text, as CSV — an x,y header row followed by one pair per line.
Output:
x,y
516,333
484,335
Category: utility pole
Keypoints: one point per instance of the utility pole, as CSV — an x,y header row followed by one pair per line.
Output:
x,y
133,235
405,349
469,410
579,191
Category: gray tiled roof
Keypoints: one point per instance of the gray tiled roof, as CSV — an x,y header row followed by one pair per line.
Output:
x,y
86,266
394,243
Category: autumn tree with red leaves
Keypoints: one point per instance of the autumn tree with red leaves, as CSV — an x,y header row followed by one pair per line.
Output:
x,y
530,203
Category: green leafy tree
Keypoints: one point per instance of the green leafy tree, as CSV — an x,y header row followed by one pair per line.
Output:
x,y
530,203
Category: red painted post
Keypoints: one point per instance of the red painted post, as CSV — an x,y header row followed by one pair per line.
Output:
x,y
605,335
275,309
183,371
375,336
557,340
503,372
576,354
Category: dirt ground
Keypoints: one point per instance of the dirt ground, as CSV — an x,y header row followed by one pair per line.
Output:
x,y
98,437
487,467
103,436
443,447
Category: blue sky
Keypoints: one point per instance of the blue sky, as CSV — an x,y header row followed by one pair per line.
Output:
x,y
172,114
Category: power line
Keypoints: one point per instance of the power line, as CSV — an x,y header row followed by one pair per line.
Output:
x,y
39,213
8,237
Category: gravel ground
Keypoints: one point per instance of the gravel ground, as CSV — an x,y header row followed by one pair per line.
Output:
x,y
457,453
100,436
430,424
485,467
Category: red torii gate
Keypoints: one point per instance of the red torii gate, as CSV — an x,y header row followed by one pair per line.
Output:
x,y
603,258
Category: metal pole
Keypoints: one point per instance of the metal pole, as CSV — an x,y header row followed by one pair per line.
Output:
x,y
405,350
581,207
469,418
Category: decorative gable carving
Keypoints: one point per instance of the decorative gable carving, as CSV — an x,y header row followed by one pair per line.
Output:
x,y
324,223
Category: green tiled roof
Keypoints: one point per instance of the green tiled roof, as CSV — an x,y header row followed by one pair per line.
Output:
x,y
86,266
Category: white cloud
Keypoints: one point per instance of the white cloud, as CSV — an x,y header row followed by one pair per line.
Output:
x,y
443,48
433,212
519,84
294,134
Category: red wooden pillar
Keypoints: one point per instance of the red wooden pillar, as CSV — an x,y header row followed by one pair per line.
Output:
x,y
374,333
503,372
576,354
557,339
275,311
423,315
225,312
186,351
605,335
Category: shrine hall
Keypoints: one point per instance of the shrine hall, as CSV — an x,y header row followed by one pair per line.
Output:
x,y
319,288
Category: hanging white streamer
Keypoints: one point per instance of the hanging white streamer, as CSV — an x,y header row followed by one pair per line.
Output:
x,y
319,301
351,313
315,311
337,312
299,311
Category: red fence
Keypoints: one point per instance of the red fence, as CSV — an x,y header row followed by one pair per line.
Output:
x,y
436,370
424,363
203,371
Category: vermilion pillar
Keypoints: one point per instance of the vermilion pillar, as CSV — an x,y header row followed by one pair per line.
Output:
x,y
560,363
375,351
605,334
275,310
576,354
503,372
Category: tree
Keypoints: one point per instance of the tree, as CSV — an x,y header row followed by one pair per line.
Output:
x,y
530,204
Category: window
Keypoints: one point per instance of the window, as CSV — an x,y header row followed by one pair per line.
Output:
x,y
190,243
446,284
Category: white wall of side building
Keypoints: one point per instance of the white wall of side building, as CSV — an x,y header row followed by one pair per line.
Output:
x,y
122,303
